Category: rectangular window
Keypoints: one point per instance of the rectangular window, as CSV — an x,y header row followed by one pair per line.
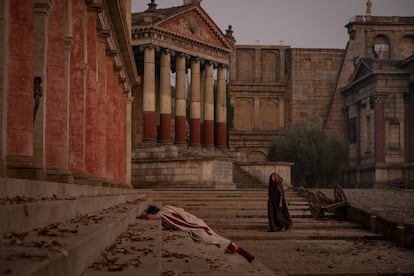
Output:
x,y
352,130
367,134
394,135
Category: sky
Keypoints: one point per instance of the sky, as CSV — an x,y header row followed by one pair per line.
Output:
x,y
296,23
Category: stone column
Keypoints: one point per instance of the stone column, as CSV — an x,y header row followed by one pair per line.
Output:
x,y
165,97
208,106
40,61
409,118
149,95
19,81
358,134
4,6
129,100
180,104
202,88
379,125
195,104
221,108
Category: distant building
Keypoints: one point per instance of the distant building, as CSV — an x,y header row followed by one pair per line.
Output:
x,y
276,88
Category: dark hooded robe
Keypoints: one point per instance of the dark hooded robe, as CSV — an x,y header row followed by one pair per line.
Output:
x,y
279,218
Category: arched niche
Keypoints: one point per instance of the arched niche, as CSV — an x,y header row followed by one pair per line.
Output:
x,y
256,156
406,46
381,47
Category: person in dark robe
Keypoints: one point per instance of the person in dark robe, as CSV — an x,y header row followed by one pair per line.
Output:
x,y
277,209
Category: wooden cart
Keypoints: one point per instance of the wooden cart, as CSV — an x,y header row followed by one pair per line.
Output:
x,y
320,203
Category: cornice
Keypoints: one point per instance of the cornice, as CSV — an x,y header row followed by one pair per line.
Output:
x,y
180,43
112,29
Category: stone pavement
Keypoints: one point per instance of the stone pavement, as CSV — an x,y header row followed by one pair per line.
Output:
x,y
93,231
386,211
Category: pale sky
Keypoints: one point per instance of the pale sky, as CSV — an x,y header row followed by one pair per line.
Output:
x,y
297,23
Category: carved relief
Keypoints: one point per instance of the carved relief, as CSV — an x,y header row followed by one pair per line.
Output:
x,y
191,25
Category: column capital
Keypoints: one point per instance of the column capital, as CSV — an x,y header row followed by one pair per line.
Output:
x,y
149,46
166,51
380,98
42,6
94,5
223,66
197,60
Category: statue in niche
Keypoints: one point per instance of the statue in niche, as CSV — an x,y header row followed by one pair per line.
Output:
x,y
37,94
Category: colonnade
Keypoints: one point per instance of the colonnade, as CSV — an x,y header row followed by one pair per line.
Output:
x,y
207,120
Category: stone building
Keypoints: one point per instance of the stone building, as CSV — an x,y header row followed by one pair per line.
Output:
x,y
275,88
66,73
379,103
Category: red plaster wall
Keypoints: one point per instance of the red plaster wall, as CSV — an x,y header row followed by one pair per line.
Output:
x,y
118,129
91,99
77,93
123,142
55,101
109,111
20,82
100,123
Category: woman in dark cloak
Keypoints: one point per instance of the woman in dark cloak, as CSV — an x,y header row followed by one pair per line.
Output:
x,y
277,210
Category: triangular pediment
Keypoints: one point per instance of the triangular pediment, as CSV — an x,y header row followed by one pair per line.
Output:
x,y
363,68
194,24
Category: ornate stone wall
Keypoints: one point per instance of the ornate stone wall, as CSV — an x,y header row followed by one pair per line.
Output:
x,y
274,88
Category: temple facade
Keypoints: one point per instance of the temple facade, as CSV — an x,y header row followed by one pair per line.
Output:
x,y
66,75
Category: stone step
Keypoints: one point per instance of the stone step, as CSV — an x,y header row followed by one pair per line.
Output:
x,y
176,193
145,249
224,202
32,214
301,234
68,247
137,251
214,206
205,213
263,225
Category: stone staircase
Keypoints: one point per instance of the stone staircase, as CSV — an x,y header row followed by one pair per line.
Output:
x,y
62,229
244,180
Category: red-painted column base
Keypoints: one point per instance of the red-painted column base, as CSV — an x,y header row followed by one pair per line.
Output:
x,y
208,133
165,128
221,135
149,126
180,130
195,132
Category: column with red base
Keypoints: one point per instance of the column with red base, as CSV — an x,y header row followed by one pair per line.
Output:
x,y
165,97
149,96
195,135
180,114
208,106
221,108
